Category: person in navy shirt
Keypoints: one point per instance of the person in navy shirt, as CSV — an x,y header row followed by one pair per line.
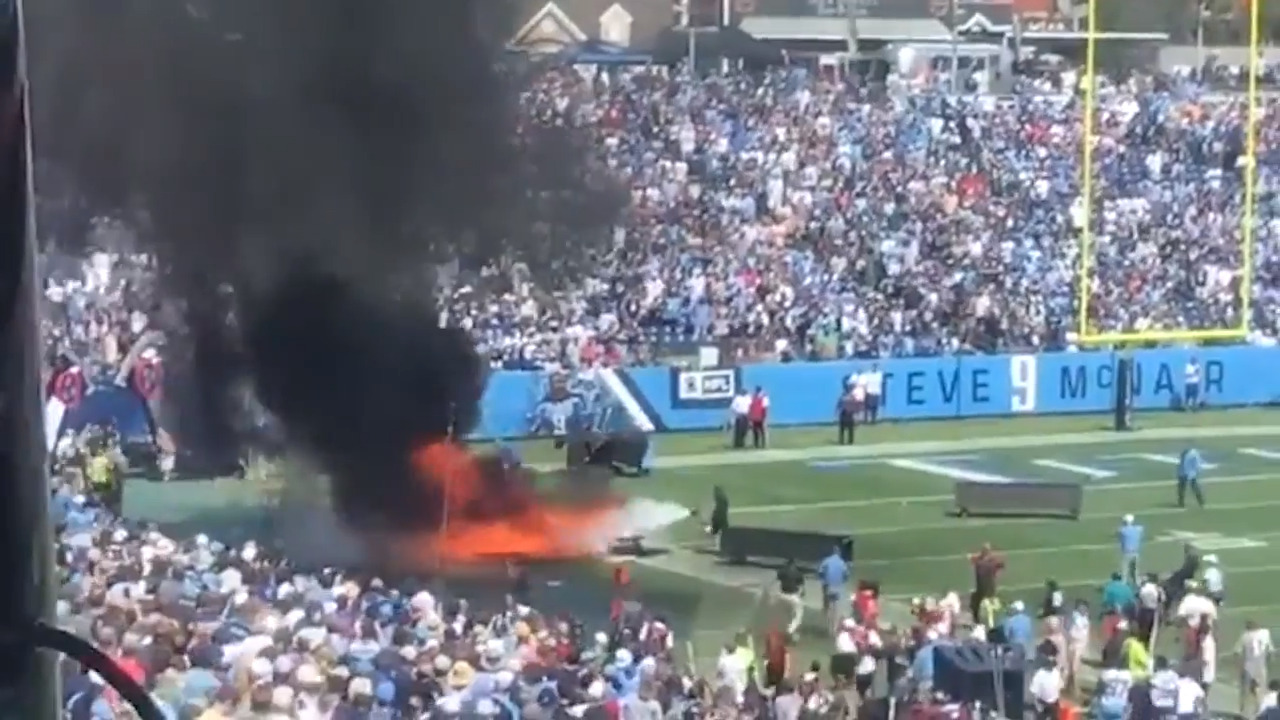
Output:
x,y
833,572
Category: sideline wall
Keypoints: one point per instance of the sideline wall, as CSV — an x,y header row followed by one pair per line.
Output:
x,y
520,404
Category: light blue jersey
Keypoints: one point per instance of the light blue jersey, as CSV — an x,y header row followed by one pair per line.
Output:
x,y
1129,535
1189,465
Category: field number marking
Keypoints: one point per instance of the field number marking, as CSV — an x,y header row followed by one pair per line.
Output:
x,y
1212,542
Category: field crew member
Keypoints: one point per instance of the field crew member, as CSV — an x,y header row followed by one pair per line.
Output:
x,y
738,409
1191,386
874,382
847,415
1130,536
1189,466
1255,650
758,414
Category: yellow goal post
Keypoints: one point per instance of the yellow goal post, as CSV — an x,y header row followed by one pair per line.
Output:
x,y
1085,265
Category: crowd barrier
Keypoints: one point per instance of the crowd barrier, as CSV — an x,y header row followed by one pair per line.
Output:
x,y
521,404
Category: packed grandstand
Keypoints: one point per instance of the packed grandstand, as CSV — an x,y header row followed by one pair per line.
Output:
x,y
780,214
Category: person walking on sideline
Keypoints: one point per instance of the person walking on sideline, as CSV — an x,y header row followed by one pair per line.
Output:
x,y
791,589
833,571
1130,537
1255,650
1189,466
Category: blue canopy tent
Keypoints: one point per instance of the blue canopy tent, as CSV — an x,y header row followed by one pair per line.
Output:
x,y
114,405
595,52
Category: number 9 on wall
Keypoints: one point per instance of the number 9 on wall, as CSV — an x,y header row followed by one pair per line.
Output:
x,y
1022,383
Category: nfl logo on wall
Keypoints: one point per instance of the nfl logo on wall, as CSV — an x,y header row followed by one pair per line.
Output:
x,y
701,389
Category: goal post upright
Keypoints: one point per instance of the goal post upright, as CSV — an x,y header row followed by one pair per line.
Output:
x,y
1085,265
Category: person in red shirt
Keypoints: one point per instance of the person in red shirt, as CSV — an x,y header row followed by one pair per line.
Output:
x,y
777,660
758,415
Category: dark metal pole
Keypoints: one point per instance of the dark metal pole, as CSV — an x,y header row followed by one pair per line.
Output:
x,y
28,681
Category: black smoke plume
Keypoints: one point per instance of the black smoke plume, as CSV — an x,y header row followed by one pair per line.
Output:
x,y
299,167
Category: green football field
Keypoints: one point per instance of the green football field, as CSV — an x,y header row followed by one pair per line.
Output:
x,y
892,492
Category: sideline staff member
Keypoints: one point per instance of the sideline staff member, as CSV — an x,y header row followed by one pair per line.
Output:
x,y
873,381
847,414
739,408
758,413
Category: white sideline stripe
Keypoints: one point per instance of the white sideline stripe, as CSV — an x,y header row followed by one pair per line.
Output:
x,y
1264,454
932,468
1092,547
926,499
1090,472
957,524
628,401
1096,582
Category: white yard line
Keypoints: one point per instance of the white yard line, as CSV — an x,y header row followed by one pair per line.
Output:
x,y
1110,516
1209,481
1085,470
927,467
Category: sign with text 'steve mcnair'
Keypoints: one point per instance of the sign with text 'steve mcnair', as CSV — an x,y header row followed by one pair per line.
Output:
x,y
521,404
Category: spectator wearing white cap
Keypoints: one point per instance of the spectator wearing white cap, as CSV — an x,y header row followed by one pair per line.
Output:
x,y
1215,583
1129,535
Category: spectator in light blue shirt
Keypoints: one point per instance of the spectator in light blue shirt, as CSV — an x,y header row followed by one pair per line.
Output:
x,y
833,571
1117,595
1130,537
922,664
1018,628
1189,466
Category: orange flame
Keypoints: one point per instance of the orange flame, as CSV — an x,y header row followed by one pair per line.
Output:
x,y
485,524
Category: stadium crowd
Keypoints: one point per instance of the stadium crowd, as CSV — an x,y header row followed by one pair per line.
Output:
x,y
805,216
810,218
